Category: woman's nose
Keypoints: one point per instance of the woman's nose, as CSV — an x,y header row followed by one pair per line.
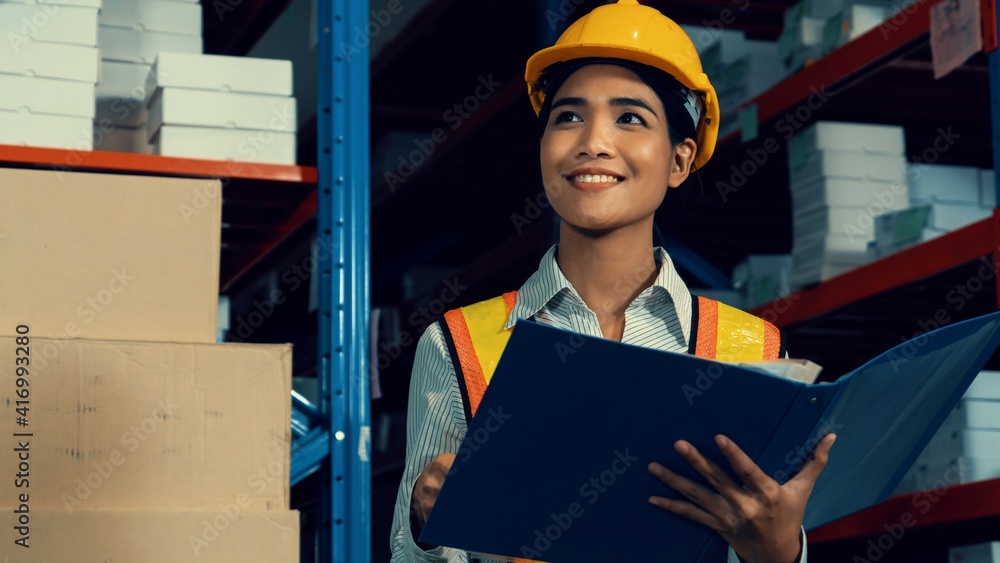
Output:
x,y
596,142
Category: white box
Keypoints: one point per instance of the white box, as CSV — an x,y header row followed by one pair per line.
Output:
x,y
46,96
52,60
832,248
53,23
843,164
854,137
850,222
931,183
968,443
153,15
122,139
763,277
227,74
987,188
40,130
203,108
138,46
985,386
121,94
814,273
225,144
877,197
951,216
978,553
973,414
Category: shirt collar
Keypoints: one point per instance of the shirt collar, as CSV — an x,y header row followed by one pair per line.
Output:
x,y
548,281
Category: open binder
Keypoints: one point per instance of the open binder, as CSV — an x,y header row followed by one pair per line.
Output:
x,y
553,467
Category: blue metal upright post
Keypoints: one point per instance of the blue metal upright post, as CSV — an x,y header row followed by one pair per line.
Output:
x,y
343,264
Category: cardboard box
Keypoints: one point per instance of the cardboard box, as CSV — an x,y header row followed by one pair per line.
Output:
x,y
973,414
96,233
121,94
817,272
55,23
220,536
854,137
203,108
224,144
930,183
876,197
41,130
46,96
153,15
122,425
851,222
78,3
52,60
830,248
763,277
842,164
122,139
985,386
967,443
221,73
140,46
979,553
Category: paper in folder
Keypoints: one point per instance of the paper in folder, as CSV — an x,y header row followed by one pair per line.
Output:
x,y
553,466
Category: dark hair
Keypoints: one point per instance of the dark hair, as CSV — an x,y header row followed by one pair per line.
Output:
x,y
667,88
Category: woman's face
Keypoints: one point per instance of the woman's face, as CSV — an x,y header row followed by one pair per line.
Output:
x,y
606,155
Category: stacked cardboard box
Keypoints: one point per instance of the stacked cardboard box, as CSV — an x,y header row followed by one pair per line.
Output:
x,y
741,69
139,438
842,176
132,33
964,449
762,278
225,108
48,68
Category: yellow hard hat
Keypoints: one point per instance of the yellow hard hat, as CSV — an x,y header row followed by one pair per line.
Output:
x,y
627,30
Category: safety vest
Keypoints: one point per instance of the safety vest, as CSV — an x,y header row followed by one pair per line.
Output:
x,y
476,338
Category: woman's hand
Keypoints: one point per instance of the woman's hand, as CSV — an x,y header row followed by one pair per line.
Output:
x,y
760,519
428,485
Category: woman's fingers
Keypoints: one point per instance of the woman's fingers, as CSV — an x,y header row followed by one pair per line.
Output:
x,y
715,475
707,500
688,511
749,472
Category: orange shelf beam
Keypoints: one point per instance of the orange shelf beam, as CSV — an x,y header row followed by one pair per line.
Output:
x,y
928,258
62,159
949,504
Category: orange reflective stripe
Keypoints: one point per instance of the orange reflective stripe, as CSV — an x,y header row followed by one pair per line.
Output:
x,y
510,298
475,383
708,328
772,341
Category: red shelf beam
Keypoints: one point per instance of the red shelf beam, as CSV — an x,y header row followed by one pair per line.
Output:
x,y
62,159
928,258
947,505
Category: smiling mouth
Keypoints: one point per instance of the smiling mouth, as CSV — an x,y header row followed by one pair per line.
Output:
x,y
594,179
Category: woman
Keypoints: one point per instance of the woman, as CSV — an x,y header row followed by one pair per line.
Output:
x,y
625,113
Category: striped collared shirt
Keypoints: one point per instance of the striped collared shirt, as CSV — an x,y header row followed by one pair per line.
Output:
x,y
659,317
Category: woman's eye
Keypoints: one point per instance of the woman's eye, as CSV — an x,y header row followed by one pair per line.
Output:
x,y
631,119
566,117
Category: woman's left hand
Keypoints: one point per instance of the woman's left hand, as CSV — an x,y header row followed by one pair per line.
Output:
x,y
760,519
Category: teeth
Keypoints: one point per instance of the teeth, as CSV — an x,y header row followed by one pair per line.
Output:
x,y
594,179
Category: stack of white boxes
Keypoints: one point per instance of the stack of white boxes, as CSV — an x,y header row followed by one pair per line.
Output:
x,y
740,69
942,198
48,68
978,553
132,33
965,448
223,108
842,176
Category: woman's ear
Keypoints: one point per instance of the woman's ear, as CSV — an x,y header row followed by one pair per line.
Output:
x,y
682,159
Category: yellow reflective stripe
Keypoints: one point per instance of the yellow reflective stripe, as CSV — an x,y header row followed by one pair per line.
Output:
x,y
485,321
740,336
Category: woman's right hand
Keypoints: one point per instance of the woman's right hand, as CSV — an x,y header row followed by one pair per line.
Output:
x,y
429,482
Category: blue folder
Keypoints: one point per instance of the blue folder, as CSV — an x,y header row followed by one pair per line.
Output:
x,y
553,466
